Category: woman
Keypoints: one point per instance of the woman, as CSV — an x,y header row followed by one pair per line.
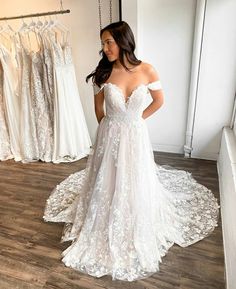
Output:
x,y
123,212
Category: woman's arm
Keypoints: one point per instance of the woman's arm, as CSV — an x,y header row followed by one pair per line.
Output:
x,y
98,104
157,102
157,95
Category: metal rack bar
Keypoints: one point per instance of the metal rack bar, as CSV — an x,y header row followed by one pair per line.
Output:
x,y
120,10
36,14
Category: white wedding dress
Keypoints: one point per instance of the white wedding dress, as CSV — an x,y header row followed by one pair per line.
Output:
x,y
123,212
11,100
71,137
5,148
28,129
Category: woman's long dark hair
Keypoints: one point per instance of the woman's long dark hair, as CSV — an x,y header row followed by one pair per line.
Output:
x,y
124,38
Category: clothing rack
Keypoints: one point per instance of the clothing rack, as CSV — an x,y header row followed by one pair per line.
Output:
x,y
36,15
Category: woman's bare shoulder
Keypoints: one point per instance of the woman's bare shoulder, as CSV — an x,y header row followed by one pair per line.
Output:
x,y
150,72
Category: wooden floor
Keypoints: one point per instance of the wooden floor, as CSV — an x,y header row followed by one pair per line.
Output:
x,y
30,248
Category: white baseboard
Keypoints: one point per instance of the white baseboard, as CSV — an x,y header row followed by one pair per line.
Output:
x,y
205,156
180,150
168,148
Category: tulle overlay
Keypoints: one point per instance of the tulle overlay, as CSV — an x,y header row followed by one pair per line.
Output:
x,y
124,211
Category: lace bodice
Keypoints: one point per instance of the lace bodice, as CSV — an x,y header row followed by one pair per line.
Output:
x,y
132,107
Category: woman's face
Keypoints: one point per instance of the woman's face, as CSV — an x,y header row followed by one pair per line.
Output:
x,y
109,46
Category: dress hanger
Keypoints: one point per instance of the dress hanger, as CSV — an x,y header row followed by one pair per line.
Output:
x,y
7,32
39,24
7,29
24,29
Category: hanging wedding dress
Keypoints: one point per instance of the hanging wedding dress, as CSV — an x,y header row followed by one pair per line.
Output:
x,y
71,137
5,150
41,106
123,212
11,100
48,82
28,132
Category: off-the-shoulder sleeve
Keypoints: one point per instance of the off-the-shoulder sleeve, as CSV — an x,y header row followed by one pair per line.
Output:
x,y
97,89
155,85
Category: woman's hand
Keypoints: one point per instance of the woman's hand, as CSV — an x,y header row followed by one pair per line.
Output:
x,y
157,102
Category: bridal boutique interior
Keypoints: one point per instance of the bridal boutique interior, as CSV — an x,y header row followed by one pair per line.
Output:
x,y
192,44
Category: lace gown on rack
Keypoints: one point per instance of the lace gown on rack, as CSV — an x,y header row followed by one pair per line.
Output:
x,y
123,211
48,84
71,136
28,131
41,106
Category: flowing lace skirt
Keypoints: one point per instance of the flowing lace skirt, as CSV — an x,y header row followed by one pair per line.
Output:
x,y
123,212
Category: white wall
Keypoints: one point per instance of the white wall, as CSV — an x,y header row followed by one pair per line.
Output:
x,y
165,36
227,179
164,39
217,83
83,22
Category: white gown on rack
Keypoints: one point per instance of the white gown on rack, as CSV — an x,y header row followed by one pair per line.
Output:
x,y
71,136
28,132
11,100
5,149
123,212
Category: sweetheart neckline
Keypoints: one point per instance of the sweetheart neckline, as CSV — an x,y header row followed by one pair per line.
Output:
x,y
126,99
